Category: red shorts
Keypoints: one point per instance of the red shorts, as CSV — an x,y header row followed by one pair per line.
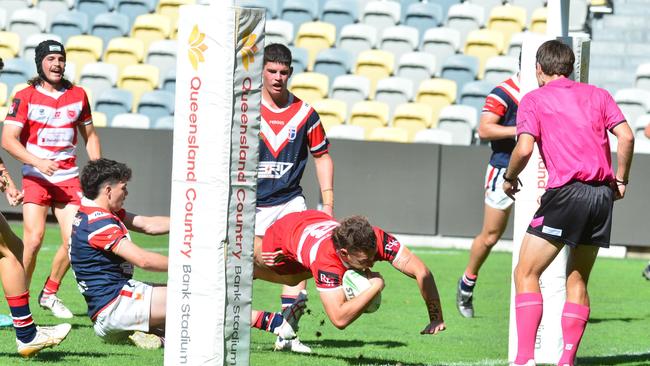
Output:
x,y
44,193
274,257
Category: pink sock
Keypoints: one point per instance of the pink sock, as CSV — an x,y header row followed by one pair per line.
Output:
x,y
574,322
529,314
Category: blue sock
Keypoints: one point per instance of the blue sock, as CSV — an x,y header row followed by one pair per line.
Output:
x,y
22,317
467,284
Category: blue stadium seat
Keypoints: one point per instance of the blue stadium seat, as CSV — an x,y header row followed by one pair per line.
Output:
x,y
340,13
133,8
99,77
16,71
110,25
441,42
500,68
69,23
271,6
357,38
95,7
333,62
164,123
423,16
474,93
52,8
169,81
113,102
460,68
300,59
26,22
156,104
299,11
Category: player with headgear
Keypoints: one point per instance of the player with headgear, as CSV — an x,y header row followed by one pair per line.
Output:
x,y
41,131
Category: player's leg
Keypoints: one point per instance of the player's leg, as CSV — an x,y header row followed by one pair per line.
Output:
x,y
48,299
34,216
534,257
576,309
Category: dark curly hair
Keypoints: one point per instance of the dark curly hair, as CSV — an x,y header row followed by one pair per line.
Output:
x,y
355,234
100,172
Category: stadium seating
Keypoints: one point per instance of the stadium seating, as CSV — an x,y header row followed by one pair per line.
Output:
x,y
123,51
441,42
641,122
461,121
3,94
340,13
30,44
390,134
151,27
538,20
114,101
381,14
507,19
416,66
278,31
514,48
394,91
164,123
10,6
434,136
346,132
298,12
332,112
162,54
633,102
69,23
309,86
98,77
474,93
643,76
9,45
17,71
169,8
423,16
413,117
460,68
3,18
271,6
500,68
94,7
82,50
139,79
356,38
369,115
169,81
375,65
399,40
52,8
483,44
134,8
333,62
529,5
578,15
18,87
156,104
314,37
99,119
438,93
465,17
26,22
130,120
299,59
351,89
110,25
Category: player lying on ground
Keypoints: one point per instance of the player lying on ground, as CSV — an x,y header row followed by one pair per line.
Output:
x,y
312,244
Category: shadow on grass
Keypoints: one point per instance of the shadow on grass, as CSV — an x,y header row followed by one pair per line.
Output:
x,y
58,356
615,359
344,343
602,320
361,360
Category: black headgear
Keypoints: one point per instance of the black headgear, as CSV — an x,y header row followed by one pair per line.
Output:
x,y
42,50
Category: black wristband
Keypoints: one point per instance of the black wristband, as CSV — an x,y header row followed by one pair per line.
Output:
x,y
509,180
622,182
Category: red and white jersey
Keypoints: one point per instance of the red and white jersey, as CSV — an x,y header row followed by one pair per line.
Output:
x,y
303,241
49,124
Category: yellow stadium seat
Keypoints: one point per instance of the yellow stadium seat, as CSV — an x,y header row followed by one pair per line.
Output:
x,y
309,86
392,134
82,50
16,89
538,20
170,8
314,37
3,113
9,45
151,27
139,79
438,93
332,112
507,19
413,117
124,51
483,44
3,94
369,115
375,65
99,119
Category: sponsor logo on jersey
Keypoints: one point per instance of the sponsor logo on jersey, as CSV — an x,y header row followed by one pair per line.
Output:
x,y
57,115
273,169
292,133
276,122
14,108
197,47
390,245
328,278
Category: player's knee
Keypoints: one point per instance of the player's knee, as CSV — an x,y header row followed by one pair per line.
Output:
x,y
491,239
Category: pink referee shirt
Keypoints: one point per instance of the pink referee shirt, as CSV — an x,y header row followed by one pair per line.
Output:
x,y
569,121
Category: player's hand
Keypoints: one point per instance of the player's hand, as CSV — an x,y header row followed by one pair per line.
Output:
x,y
619,190
434,327
328,209
47,167
4,182
375,279
14,196
511,188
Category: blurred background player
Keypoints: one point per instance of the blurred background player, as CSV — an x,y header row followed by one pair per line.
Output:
x,y
569,121
497,125
311,244
41,131
290,131
30,339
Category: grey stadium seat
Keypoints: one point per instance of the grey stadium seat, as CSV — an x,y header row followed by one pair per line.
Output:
x,y
69,23
113,102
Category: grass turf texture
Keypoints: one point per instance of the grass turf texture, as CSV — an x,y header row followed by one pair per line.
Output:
x,y
616,334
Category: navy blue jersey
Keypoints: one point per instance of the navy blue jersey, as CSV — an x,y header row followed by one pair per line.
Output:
x,y
503,101
287,137
100,273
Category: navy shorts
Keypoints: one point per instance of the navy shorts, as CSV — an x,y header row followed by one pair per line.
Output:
x,y
577,213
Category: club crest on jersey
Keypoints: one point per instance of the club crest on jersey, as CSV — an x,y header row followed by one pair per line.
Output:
x,y
328,278
292,133
14,108
72,113
57,115
273,169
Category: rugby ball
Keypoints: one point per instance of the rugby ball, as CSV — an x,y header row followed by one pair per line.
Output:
x,y
356,282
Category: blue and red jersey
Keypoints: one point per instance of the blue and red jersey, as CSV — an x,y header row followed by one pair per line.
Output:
x,y
287,136
503,101
100,273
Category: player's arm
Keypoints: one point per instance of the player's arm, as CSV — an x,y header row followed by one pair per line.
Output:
x,y
151,225
7,185
90,136
341,312
141,258
11,143
325,174
624,154
647,131
412,266
518,160
489,128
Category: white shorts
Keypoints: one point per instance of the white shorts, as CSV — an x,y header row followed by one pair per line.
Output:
x,y
495,197
265,216
127,313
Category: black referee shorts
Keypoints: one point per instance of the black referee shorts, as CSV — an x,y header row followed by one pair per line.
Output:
x,y
577,213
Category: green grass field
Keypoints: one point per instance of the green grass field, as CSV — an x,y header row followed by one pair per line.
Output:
x,y
617,333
